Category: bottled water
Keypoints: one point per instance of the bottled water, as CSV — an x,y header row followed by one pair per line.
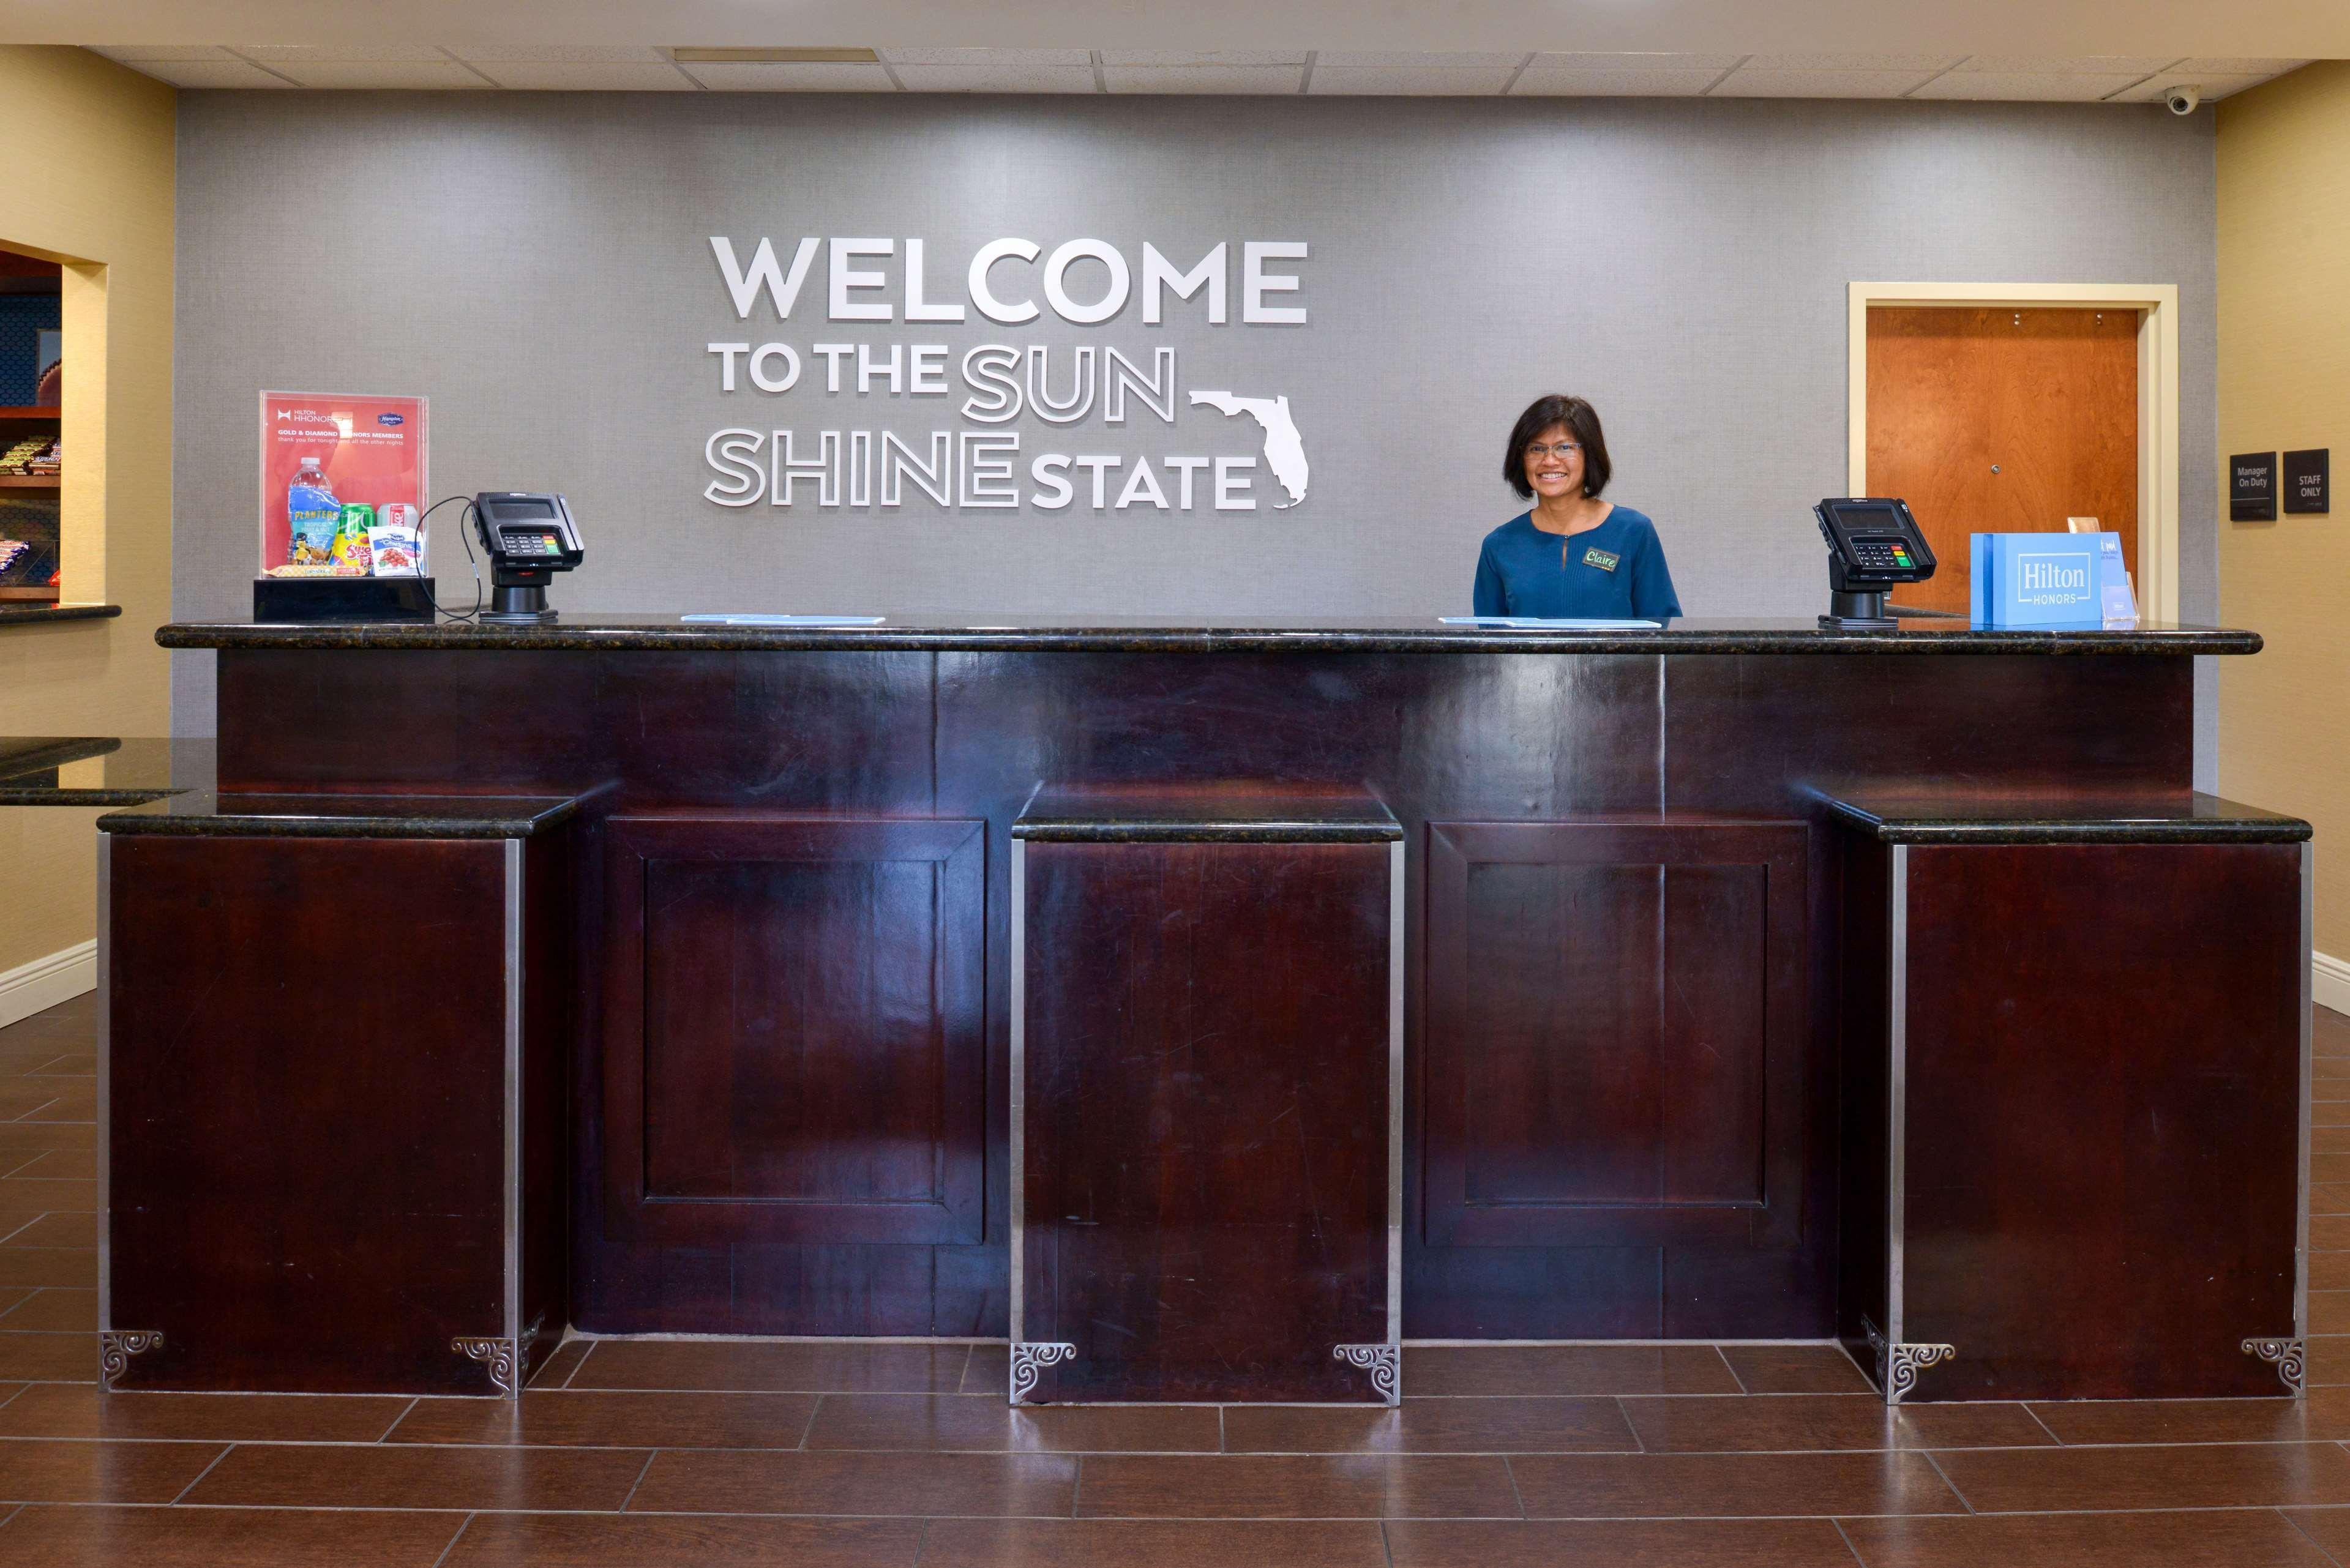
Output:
x,y
313,516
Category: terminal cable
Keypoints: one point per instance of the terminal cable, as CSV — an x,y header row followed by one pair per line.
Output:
x,y
466,537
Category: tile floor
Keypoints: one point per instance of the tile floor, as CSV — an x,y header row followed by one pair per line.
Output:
x,y
638,1454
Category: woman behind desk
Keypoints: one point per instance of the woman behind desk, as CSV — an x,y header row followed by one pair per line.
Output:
x,y
1572,555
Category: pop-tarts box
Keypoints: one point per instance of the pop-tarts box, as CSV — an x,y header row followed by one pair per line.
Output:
x,y
2050,580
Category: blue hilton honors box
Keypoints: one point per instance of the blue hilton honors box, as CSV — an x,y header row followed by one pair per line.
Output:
x,y
2050,580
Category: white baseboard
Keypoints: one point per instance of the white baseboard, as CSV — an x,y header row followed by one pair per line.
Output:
x,y
39,985
2329,981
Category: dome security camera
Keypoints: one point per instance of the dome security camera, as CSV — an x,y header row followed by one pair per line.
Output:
x,y
2184,100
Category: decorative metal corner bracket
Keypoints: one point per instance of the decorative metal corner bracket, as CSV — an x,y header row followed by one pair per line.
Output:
x,y
500,1356
1029,1360
117,1346
2285,1356
1897,1365
1384,1362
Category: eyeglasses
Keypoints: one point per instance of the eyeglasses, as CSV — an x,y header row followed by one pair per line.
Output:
x,y
1537,451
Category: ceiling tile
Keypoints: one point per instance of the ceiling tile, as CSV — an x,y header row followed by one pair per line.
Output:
x,y
384,74
1545,81
575,75
210,74
1203,58
288,54
1423,81
1383,60
988,57
2240,67
2213,88
998,79
2076,66
786,76
1748,82
1204,78
559,54
1717,63
1853,62
2024,87
142,54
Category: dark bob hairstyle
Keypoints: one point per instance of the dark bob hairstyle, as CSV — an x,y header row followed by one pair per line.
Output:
x,y
1581,419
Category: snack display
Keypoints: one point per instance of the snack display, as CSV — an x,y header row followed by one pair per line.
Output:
x,y
39,455
319,569
11,550
392,546
351,536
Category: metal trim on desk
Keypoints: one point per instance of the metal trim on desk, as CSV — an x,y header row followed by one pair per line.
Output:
x,y
1018,1137
514,1127
104,1112
2308,1089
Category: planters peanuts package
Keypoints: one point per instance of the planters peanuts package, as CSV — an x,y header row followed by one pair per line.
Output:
x,y
2050,580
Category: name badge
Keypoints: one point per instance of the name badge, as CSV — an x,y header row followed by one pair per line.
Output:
x,y
1596,557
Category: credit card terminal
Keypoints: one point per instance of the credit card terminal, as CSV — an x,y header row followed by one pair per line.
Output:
x,y
1874,544
529,536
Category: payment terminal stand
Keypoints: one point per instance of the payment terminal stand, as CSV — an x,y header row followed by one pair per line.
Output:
x,y
1874,544
529,537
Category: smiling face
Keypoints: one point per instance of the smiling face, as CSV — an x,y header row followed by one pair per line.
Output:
x,y
1554,462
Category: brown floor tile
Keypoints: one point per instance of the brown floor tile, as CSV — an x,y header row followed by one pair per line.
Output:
x,y
990,1371
74,1100
2329,1272
49,1196
2330,1167
1431,1426
1355,1486
985,1423
1592,1369
721,1366
1695,1486
1151,1544
721,1481
67,1231
15,1296
100,1472
54,1311
1796,1369
49,1357
27,1138
1786,1422
2329,1527
1618,1543
2207,1475
2252,1537
2329,1232
2329,1140
2326,1361
64,1410
557,1368
20,1098
2322,1417
40,1266
68,1064
573,1419
223,1538
367,1477
60,1165
629,1541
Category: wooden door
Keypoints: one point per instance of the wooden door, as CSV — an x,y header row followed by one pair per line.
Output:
x,y
2002,422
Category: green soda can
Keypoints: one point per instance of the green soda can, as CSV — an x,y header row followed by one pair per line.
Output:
x,y
351,537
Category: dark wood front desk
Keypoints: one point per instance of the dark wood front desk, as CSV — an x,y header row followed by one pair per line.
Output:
x,y
1474,984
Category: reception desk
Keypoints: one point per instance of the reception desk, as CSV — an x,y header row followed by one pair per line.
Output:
x,y
1275,984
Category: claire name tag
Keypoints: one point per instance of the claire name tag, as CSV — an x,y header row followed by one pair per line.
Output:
x,y
1596,557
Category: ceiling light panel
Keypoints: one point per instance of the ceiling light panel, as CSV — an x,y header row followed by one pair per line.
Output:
x,y
575,75
2024,87
1209,80
997,79
757,77
1748,82
1552,81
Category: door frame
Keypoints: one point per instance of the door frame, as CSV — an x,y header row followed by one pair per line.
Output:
x,y
2157,307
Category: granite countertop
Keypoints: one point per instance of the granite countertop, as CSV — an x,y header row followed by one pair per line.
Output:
x,y
1937,817
202,814
1142,633
1206,816
101,769
33,614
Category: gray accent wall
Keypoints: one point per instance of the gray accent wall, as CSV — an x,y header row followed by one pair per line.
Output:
x,y
539,266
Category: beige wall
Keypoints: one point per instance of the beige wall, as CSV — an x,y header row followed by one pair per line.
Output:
x,y
2284,383
89,148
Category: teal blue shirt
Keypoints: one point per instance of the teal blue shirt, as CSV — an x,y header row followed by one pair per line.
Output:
x,y
1614,572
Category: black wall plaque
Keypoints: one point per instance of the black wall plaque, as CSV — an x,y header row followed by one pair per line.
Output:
x,y
2251,487
2306,480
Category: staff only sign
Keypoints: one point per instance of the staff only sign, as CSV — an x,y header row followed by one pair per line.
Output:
x,y
1105,394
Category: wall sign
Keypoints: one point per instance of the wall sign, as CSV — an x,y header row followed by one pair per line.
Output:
x,y
2251,487
1127,397
2305,479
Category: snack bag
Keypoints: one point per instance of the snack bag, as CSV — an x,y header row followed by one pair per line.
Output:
x,y
351,549
393,548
